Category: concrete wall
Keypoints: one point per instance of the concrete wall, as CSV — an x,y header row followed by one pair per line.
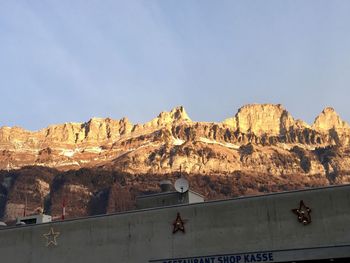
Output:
x,y
216,232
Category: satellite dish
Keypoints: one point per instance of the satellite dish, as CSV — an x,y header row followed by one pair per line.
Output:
x,y
181,185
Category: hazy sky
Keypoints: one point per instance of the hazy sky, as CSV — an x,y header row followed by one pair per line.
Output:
x,y
64,60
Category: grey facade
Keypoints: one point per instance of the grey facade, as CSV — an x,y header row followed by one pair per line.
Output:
x,y
250,229
168,199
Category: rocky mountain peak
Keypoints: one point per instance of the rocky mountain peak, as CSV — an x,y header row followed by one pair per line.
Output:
x,y
329,119
125,120
165,118
261,119
175,115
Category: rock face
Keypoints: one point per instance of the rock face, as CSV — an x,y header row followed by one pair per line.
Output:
x,y
263,119
328,120
172,140
259,141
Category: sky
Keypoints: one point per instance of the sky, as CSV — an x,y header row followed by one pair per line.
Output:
x,y
67,61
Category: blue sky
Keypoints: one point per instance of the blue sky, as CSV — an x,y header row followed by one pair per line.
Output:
x,y
63,61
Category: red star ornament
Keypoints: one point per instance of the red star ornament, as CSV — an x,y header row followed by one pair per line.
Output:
x,y
179,224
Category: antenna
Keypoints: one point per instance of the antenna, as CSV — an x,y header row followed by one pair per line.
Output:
x,y
25,198
63,208
181,185
25,204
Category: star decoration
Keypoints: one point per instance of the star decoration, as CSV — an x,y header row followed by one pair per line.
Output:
x,y
303,213
51,237
179,224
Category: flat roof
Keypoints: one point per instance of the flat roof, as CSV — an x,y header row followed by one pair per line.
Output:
x,y
167,193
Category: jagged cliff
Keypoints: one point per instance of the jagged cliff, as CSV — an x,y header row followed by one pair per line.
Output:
x,y
261,140
172,140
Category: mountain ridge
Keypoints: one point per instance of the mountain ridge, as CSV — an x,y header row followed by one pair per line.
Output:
x,y
261,148
104,141
182,114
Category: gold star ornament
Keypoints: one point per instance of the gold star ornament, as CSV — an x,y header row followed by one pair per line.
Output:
x,y
51,237
303,213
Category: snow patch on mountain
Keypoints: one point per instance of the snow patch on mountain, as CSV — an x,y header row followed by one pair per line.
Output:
x,y
67,153
93,149
226,144
177,141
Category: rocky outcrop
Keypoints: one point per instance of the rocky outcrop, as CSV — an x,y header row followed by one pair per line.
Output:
x,y
261,119
100,165
330,120
172,140
329,123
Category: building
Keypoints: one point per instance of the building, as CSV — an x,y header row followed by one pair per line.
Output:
x,y
33,219
300,226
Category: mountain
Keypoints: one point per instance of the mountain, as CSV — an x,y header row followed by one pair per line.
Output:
x,y
261,148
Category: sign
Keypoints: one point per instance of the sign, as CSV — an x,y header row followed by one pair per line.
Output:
x,y
233,258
